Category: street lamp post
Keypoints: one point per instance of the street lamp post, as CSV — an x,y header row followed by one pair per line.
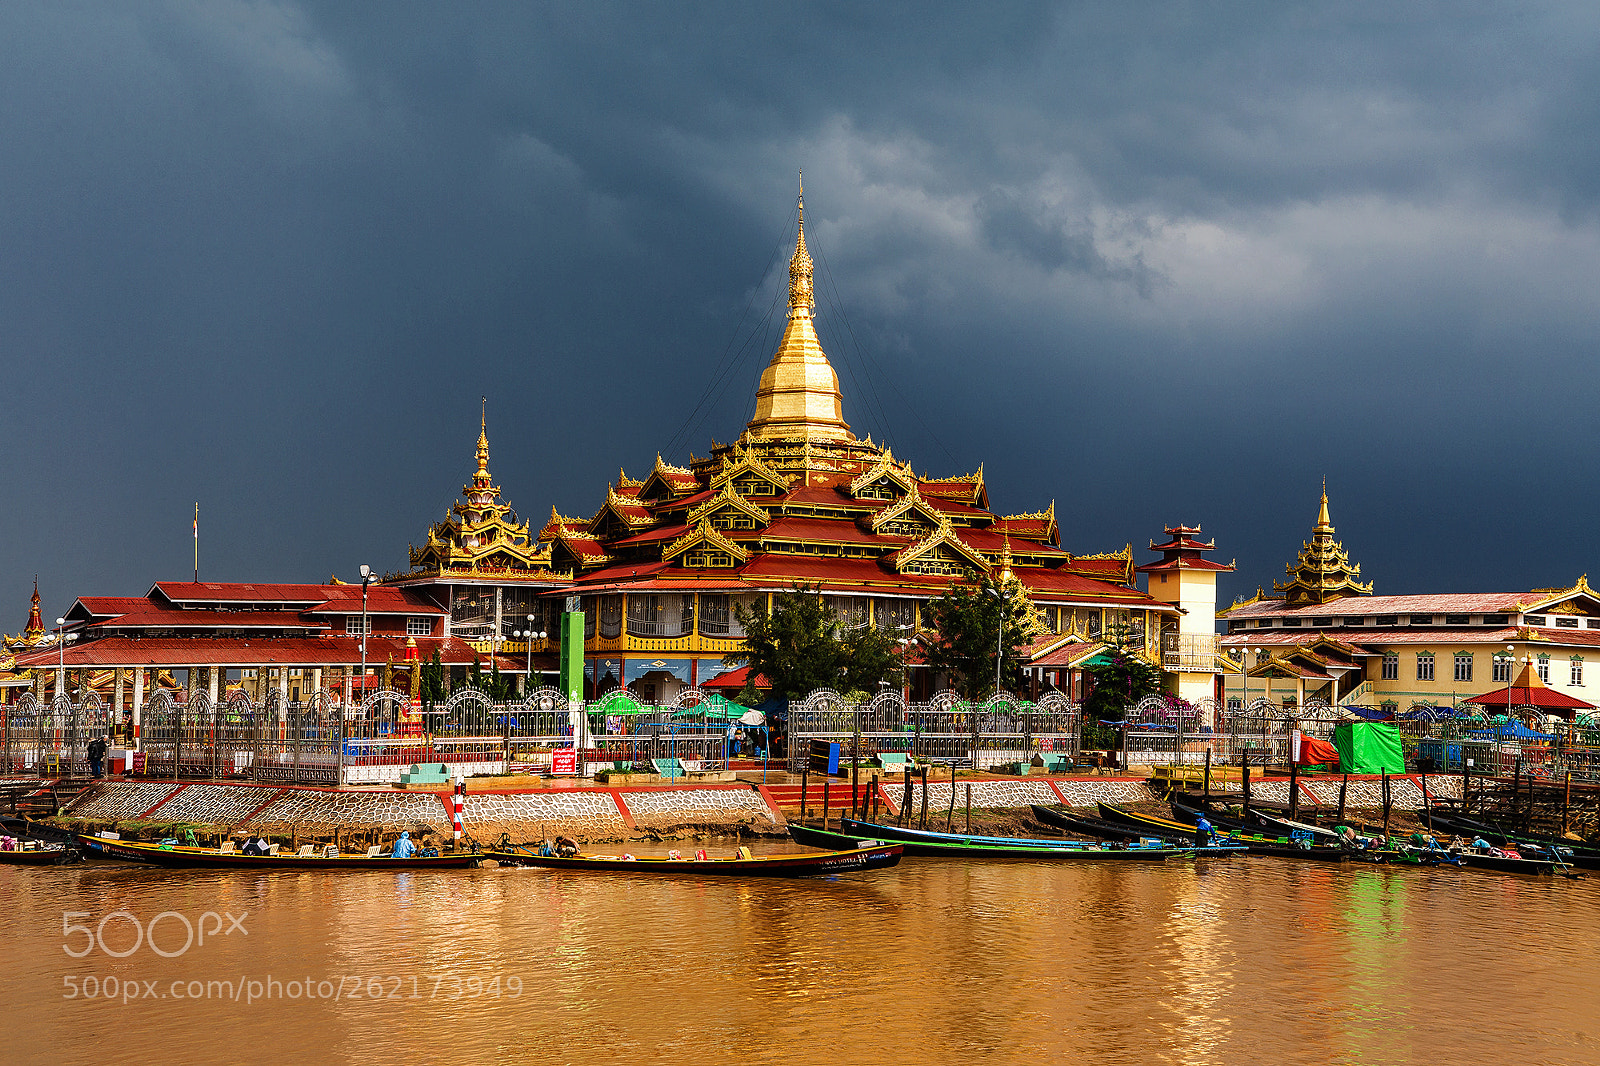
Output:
x,y
367,578
529,635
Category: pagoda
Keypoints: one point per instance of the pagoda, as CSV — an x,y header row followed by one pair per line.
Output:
x,y
1323,571
480,535
665,563
34,634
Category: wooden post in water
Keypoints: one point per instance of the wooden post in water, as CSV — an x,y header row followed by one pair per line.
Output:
x,y
805,779
969,806
1246,781
855,765
1427,804
1516,788
827,786
1466,778
924,797
1386,803
874,795
1206,793
950,818
1566,804
1294,788
1344,784
905,799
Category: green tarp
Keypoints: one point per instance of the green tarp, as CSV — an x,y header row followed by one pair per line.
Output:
x,y
1369,748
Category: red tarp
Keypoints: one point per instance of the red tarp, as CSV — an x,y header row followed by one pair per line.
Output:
x,y
1309,751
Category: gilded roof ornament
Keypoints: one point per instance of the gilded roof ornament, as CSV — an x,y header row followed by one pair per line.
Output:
x,y
729,498
705,533
798,397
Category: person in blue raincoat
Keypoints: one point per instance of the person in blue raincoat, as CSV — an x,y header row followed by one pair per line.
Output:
x,y
403,848
1202,832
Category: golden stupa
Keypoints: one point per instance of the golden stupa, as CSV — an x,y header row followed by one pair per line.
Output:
x,y
798,398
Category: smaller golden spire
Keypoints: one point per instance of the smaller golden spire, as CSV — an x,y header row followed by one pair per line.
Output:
x,y
1323,521
800,290
1005,558
483,440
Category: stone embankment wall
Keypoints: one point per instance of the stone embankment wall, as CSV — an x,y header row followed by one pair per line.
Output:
x,y
601,813
589,813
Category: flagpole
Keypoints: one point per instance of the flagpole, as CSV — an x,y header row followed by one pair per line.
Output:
x,y
197,542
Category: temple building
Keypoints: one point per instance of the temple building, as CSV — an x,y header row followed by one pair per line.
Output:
x,y
484,566
1327,637
215,637
797,499
659,570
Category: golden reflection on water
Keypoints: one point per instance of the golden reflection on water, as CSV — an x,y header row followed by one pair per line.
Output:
x,y
1216,961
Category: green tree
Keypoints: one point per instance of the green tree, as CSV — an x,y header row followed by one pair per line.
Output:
x,y
491,683
431,686
798,647
967,622
871,656
1119,680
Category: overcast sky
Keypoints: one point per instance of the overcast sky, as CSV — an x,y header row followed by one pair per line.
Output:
x,y
1158,264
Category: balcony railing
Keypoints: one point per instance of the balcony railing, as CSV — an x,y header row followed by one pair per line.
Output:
x,y
1191,652
676,627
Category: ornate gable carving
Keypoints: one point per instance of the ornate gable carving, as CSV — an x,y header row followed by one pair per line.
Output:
x,y
938,553
878,481
749,475
725,505
900,518
707,543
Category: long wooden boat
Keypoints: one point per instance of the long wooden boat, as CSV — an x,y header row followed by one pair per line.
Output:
x,y
1134,820
1289,827
1256,843
926,842
855,856
1574,853
37,853
1505,864
178,855
1072,822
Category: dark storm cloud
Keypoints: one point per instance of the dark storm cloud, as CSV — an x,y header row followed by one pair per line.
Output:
x,y
1159,263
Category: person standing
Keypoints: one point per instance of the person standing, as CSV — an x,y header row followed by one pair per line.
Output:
x,y
1202,832
97,755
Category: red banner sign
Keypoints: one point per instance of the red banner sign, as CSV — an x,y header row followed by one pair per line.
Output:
x,y
564,761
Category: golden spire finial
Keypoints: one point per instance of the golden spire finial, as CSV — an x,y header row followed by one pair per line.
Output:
x,y
1005,558
800,297
483,439
1323,521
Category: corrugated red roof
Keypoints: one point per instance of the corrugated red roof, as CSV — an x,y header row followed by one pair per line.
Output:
x,y
1431,603
338,650
197,619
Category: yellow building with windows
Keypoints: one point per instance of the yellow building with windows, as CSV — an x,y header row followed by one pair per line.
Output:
x,y
1326,637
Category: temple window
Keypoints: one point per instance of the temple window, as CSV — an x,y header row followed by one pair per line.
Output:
x,y
1387,619
610,616
1424,666
1577,670
1502,668
1457,619
357,626
1594,623
1566,622
732,520
1391,666
701,558
1463,666
1322,622
419,627
1544,668
1535,619
1494,619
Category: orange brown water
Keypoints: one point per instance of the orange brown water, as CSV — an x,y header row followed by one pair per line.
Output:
x,y
1217,961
